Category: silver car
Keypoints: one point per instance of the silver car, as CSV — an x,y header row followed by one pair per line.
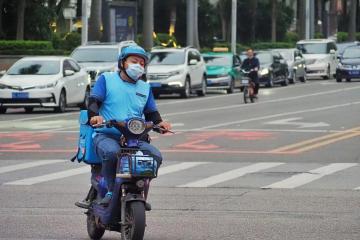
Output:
x,y
296,64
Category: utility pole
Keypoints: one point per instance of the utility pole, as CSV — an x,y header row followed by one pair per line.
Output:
x,y
233,26
307,19
190,22
148,24
84,20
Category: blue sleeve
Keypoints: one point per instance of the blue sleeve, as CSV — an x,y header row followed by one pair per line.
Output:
x,y
150,105
257,63
99,89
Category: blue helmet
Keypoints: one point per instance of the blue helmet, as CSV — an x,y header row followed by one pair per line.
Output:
x,y
133,50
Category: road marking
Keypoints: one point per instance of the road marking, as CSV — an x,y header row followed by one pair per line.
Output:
x,y
50,177
278,115
315,174
227,176
22,166
358,188
318,142
179,167
294,122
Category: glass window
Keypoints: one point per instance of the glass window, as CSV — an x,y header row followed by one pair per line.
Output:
x,y
167,58
265,58
67,66
35,67
313,48
74,65
218,60
351,53
95,55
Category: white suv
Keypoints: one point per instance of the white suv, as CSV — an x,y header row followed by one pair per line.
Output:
x,y
177,70
97,58
320,57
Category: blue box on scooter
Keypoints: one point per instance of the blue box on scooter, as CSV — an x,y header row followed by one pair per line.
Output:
x,y
86,152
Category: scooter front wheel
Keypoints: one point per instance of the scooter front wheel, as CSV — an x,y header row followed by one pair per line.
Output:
x,y
246,94
95,232
135,219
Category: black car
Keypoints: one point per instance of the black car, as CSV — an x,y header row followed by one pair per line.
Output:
x,y
349,64
273,69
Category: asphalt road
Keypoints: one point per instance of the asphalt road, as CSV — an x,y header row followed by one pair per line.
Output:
x,y
286,167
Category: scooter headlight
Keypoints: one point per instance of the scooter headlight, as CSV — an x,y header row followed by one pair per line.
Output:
x,y
136,126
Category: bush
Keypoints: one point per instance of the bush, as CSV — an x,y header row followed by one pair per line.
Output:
x,y
271,45
35,52
291,37
318,35
357,36
24,45
342,37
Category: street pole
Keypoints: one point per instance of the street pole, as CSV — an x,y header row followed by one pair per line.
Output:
x,y
190,22
84,20
307,19
233,26
148,24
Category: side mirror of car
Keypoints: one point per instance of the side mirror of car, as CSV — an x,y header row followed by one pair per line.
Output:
x,y
332,51
193,62
339,56
297,58
69,73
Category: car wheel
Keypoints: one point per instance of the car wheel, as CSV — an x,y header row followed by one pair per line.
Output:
x,y
303,78
270,83
202,92
29,109
348,79
285,82
62,103
187,89
327,73
84,105
231,87
338,79
2,110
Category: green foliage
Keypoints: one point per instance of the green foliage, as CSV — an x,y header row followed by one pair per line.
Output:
x,y
58,52
271,45
342,37
291,37
24,45
319,35
68,41
357,36
239,47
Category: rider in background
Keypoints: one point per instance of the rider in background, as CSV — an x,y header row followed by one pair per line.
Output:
x,y
121,95
252,64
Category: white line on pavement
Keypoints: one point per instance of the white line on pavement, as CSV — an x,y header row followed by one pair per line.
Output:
x,y
278,115
358,188
178,167
50,177
227,176
315,174
22,166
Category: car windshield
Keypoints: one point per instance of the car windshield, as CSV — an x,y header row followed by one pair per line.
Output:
x,y
218,60
95,55
167,58
35,67
264,58
287,55
313,48
352,53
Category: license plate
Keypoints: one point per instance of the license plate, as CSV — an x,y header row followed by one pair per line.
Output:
x,y
155,84
245,81
354,72
209,82
20,95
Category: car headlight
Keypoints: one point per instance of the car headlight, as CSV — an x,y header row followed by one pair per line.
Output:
x,y
264,71
50,85
136,126
174,73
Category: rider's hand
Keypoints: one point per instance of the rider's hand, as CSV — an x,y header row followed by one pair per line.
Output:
x,y
165,125
96,120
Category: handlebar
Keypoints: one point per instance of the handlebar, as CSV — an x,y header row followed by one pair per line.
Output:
x,y
122,124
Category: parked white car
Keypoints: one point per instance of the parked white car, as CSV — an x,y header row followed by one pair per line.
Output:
x,y
320,56
97,58
177,70
54,82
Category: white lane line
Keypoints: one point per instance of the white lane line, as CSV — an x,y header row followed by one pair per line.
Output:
x,y
178,167
315,174
50,177
358,188
227,176
22,166
278,115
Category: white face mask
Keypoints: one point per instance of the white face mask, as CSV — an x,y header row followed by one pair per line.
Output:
x,y
135,71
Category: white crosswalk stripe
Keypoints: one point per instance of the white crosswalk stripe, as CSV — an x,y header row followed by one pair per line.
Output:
x,y
22,166
223,177
50,177
178,167
304,178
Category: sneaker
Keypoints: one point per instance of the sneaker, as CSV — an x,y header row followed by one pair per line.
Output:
x,y
83,204
106,200
147,206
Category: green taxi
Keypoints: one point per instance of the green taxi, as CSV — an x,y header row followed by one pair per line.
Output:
x,y
222,70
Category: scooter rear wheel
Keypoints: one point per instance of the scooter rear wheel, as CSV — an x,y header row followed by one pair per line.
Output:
x,y
246,94
135,221
95,232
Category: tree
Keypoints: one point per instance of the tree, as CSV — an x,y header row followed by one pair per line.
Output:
x,y
352,20
224,7
20,19
301,18
333,18
2,34
273,20
95,21
253,7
